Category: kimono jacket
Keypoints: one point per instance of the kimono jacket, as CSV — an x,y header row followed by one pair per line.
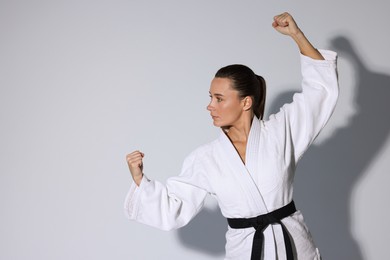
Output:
x,y
261,185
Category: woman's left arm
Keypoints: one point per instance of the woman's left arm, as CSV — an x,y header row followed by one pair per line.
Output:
x,y
285,24
297,124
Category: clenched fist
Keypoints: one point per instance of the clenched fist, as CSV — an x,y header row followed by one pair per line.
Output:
x,y
285,24
134,161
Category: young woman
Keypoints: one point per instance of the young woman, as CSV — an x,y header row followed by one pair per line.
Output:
x,y
250,168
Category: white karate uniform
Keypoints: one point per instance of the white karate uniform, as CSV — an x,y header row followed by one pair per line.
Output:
x,y
261,185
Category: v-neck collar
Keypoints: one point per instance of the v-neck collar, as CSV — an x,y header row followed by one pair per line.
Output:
x,y
251,144
246,172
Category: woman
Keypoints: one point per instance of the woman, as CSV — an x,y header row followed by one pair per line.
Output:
x,y
250,168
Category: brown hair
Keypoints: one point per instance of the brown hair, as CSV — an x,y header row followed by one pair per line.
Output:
x,y
247,83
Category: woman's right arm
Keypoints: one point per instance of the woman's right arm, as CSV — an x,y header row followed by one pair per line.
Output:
x,y
167,206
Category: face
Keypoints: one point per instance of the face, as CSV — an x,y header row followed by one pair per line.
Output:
x,y
226,107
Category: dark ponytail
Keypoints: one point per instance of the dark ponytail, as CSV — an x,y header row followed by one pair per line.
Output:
x,y
259,108
247,83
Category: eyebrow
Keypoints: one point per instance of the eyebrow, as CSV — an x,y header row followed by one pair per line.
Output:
x,y
216,94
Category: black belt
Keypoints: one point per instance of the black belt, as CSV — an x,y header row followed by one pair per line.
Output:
x,y
260,223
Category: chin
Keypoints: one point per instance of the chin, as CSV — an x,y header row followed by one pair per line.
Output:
x,y
223,126
221,123
217,123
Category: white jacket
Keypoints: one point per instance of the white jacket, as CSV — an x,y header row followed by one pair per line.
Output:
x,y
262,185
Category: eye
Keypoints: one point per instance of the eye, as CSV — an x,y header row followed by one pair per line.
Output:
x,y
218,99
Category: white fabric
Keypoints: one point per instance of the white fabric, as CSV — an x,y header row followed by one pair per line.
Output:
x,y
261,185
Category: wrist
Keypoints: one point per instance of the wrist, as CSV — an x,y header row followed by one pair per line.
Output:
x,y
138,178
298,36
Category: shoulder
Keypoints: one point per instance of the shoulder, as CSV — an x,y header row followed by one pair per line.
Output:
x,y
275,120
204,150
198,162
202,153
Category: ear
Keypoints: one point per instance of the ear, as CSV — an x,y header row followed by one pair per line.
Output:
x,y
248,102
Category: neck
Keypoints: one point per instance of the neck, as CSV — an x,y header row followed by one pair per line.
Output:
x,y
239,132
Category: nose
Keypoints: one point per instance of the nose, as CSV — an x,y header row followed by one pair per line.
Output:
x,y
210,107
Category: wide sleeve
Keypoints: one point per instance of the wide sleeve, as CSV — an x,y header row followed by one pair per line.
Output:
x,y
297,124
172,205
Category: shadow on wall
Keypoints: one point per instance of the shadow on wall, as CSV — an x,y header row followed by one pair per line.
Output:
x,y
206,232
327,173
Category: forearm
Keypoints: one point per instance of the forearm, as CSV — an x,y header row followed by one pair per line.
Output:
x,y
165,207
305,47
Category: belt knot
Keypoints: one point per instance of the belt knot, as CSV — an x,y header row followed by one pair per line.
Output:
x,y
259,223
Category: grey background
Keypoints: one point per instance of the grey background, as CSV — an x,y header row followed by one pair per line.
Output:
x,y
82,83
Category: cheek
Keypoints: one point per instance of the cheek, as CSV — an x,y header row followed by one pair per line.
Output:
x,y
229,110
